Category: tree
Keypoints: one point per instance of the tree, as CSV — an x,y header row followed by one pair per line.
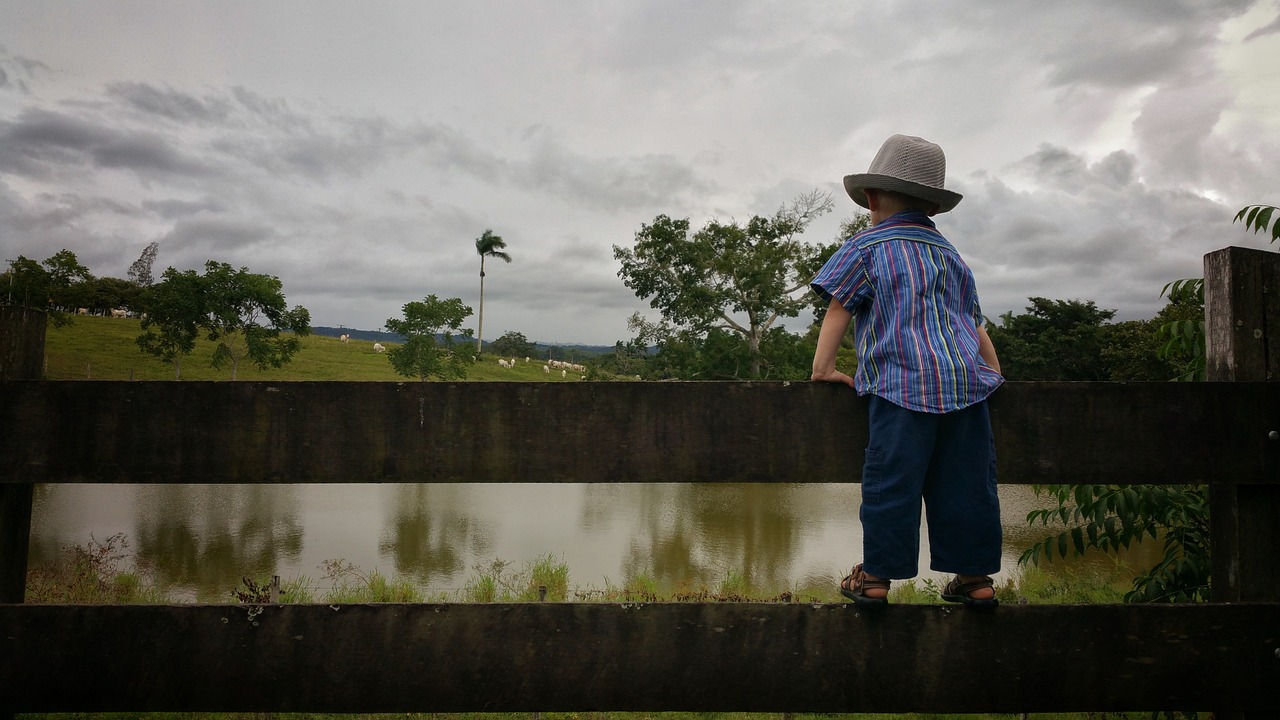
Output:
x,y
174,311
237,304
28,283
428,349
1054,340
67,279
487,245
58,281
140,270
737,278
513,344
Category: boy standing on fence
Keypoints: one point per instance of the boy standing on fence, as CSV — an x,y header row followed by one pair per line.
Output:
x,y
928,365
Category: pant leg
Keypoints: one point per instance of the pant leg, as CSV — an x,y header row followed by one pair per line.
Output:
x,y
898,450
960,495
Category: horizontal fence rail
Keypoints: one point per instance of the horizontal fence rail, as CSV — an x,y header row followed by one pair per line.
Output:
x,y
756,657
318,432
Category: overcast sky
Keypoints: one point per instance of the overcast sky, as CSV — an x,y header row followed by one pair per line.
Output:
x,y
356,150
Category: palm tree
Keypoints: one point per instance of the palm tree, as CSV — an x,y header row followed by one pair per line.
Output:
x,y
487,245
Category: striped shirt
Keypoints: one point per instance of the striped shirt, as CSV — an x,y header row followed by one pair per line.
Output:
x,y
915,311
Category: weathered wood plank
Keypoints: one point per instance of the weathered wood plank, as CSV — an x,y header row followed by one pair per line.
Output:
x,y
242,432
1242,327
664,656
22,333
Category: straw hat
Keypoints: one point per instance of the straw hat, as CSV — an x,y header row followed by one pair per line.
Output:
x,y
909,165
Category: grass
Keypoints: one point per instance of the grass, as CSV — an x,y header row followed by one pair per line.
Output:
x,y
93,574
103,348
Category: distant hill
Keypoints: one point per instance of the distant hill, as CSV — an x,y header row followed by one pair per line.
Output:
x,y
559,350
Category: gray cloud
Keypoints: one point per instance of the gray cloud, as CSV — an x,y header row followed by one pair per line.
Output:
x,y
42,141
170,104
1102,148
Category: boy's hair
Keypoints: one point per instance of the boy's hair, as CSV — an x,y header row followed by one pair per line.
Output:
x,y
907,202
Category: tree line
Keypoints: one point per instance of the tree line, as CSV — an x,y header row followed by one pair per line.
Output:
x,y
242,313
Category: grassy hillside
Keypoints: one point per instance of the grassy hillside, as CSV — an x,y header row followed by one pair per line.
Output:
x,y
103,348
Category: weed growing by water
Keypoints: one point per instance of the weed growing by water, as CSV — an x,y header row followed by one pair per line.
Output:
x,y
91,573
352,585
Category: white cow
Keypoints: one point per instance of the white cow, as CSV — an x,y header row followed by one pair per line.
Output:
x,y
82,311
344,337
377,347
118,313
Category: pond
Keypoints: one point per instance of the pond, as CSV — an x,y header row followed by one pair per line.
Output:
x,y
200,540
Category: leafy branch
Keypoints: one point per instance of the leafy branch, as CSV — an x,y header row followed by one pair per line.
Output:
x,y
1257,218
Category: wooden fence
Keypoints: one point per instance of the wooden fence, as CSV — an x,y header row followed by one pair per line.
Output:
x,y
774,657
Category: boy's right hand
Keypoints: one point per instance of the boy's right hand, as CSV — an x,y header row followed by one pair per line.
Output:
x,y
832,375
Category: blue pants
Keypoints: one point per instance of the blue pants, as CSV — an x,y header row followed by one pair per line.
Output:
x,y
948,461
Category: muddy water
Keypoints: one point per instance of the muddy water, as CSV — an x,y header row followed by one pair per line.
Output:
x,y
200,540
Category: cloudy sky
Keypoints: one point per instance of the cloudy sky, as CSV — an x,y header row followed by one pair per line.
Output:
x,y
357,149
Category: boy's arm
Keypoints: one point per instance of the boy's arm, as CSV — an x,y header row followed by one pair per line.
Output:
x,y
834,326
987,349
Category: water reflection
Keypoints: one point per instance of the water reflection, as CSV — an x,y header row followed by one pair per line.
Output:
x,y
200,540
426,536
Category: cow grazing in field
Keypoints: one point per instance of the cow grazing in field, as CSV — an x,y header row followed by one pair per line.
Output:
x,y
118,313
82,311
344,337
377,347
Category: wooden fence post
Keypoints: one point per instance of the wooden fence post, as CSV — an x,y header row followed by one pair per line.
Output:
x,y
1242,343
21,358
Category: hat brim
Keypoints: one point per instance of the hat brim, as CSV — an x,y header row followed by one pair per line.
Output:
x,y
856,186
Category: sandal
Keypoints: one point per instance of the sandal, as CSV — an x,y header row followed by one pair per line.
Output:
x,y
854,586
961,592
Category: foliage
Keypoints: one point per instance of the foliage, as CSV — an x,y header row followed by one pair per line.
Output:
x,y
487,245
629,359
140,270
738,278
243,313
1054,340
258,592
28,284
46,285
1258,217
429,350
1129,352
1181,329
1110,517
90,573
65,269
237,303
352,585
513,344
173,309
497,582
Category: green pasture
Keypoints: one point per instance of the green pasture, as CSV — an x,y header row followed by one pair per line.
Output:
x,y
104,348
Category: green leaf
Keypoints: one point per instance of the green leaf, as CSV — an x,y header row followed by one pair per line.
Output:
x,y
1077,539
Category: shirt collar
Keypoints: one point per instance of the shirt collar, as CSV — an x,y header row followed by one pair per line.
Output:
x,y
909,216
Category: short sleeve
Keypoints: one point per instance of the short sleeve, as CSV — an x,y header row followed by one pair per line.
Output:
x,y
844,277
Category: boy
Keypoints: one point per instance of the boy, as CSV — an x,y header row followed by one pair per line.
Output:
x,y
925,359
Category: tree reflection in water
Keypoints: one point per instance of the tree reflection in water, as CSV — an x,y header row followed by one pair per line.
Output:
x,y
209,536
425,529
